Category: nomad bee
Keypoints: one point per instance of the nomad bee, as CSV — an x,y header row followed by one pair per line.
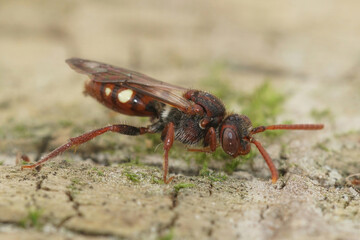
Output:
x,y
186,115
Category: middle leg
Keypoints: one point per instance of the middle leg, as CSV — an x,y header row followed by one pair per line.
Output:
x,y
168,137
210,140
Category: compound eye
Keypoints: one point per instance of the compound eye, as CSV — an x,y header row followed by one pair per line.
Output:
x,y
230,142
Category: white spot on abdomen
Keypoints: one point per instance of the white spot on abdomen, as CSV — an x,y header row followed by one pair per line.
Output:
x,y
125,95
107,91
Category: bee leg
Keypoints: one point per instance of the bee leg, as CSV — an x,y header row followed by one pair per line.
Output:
x,y
168,137
209,141
205,150
123,129
269,162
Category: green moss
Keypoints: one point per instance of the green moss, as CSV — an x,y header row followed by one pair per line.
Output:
x,y
203,159
132,176
98,172
348,133
168,236
32,219
65,123
75,181
156,180
22,131
220,155
180,186
231,166
263,106
75,186
1,163
134,162
2,134
284,151
322,146
20,128
216,82
218,177
319,115
212,176
69,160
23,163
250,156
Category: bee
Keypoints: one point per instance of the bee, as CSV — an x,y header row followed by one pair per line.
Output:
x,y
182,114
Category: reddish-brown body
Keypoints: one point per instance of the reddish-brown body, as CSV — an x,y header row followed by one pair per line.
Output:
x,y
138,105
181,114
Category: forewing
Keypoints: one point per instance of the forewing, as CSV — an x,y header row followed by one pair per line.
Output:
x,y
161,91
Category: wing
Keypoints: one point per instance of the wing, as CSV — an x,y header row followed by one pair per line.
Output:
x,y
161,91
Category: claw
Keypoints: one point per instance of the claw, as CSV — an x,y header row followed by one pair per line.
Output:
x,y
168,181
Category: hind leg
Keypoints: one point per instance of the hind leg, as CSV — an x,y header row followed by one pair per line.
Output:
x,y
120,128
